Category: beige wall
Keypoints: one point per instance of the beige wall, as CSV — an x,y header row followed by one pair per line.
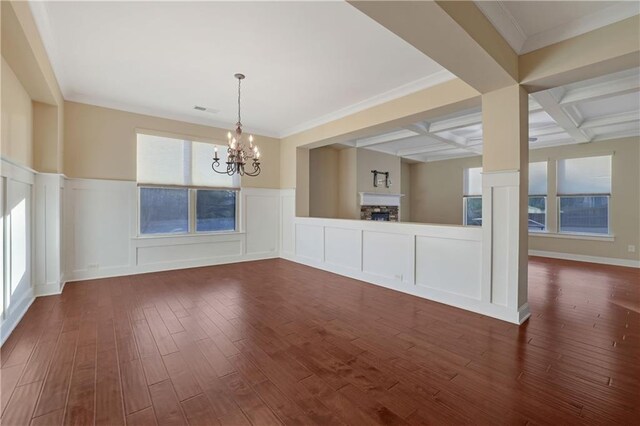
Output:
x,y
436,190
100,143
405,189
17,119
372,160
436,196
323,182
348,207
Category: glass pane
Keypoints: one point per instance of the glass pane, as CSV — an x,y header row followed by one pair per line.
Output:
x,y
202,174
537,213
164,211
589,175
473,213
473,181
160,160
538,178
215,210
588,214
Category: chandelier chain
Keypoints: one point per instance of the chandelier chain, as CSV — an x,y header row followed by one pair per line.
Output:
x,y
239,83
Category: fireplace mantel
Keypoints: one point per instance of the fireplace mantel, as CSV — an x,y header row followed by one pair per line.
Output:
x,y
376,199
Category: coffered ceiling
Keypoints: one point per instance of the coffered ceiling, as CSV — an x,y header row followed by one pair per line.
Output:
x,y
603,108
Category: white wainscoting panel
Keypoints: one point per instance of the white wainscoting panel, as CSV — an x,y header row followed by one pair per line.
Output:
x,y
100,225
343,247
310,242
188,251
449,265
17,247
287,218
262,221
388,255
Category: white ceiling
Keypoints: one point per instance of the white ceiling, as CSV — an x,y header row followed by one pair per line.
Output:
x,y
306,62
530,25
602,108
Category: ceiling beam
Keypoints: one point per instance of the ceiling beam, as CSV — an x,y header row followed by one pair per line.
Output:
x,y
386,137
422,150
550,104
455,123
608,120
602,90
603,51
453,34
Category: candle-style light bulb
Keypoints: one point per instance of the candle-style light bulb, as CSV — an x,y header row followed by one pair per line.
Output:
x,y
229,135
215,151
257,154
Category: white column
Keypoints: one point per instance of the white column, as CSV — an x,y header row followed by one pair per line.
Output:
x,y
504,203
48,263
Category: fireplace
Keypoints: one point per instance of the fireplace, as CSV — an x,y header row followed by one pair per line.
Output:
x,y
380,216
379,213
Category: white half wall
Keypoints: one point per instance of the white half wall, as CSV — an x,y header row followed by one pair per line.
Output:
x,y
436,262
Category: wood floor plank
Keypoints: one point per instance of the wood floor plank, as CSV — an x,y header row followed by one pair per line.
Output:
x,y
134,386
56,385
144,417
199,412
19,411
80,406
109,407
184,383
165,404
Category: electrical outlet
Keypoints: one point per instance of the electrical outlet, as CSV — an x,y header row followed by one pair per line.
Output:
x,y
92,266
631,248
399,277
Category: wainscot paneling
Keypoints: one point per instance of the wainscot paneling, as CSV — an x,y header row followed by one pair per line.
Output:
x,y
103,241
343,247
16,197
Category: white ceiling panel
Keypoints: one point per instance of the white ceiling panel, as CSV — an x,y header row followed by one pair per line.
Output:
x,y
305,62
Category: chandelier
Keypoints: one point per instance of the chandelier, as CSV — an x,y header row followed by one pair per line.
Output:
x,y
238,152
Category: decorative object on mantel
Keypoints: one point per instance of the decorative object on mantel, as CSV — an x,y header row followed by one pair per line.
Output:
x,y
386,181
238,153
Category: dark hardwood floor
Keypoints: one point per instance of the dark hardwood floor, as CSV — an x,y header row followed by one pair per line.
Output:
x,y
273,342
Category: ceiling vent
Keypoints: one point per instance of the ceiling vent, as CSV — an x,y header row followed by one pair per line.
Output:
x,y
205,109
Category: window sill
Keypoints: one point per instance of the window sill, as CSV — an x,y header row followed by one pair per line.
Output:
x,y
193,235
591,237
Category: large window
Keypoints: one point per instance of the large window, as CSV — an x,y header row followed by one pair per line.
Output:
x,y
584,190
537,210
179,193
473,196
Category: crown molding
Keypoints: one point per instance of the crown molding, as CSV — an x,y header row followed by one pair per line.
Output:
x,y
153,112
504,22
404,90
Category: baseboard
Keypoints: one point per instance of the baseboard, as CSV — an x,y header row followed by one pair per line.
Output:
x,y
630,263
10,323
82,275
49,289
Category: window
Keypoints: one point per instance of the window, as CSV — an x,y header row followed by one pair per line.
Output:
x,y
584,190
537,210
473,196
178,191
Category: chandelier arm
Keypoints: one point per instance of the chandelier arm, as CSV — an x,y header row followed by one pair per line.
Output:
x,y
256,170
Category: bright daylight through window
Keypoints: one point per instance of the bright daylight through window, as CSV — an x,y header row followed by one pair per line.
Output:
x,y
178,192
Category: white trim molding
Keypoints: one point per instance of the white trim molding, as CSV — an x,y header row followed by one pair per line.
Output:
x,y
630,263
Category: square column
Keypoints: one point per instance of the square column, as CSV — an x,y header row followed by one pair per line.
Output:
x,y
505,179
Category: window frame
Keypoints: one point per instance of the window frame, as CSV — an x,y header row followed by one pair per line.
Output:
x,y
546,214
192,211
464,208
559,231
